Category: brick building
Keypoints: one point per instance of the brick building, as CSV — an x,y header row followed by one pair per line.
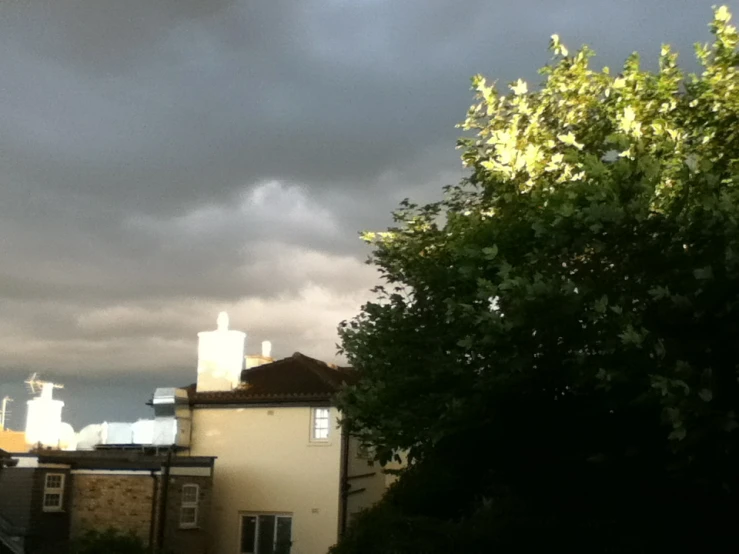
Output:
x,y
50,498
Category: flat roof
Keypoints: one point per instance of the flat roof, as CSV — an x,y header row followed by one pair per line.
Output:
x,y
120,459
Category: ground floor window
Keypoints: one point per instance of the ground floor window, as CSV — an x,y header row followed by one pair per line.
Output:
x,y
266,533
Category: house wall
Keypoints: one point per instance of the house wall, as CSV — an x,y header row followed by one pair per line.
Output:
x,y
48,531
185,540
21,504
13,441
367,481
104,500
122,502
16,486
266,463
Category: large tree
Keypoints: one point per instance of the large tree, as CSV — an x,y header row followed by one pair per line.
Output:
x,y
574,302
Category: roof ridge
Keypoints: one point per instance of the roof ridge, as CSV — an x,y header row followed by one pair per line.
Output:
x,y
274,363
300,355
304,360
297,378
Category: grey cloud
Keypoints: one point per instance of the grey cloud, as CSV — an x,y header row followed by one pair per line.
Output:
x,y
328,93
163,160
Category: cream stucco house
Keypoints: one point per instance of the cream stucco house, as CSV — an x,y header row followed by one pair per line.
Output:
x,y
286,480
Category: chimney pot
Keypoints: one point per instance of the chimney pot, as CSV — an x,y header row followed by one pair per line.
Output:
x,y
266,349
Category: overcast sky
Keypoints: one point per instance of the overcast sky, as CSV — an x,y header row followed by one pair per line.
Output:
x,y
161,160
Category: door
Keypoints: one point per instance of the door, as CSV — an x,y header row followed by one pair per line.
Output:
x,y
266,534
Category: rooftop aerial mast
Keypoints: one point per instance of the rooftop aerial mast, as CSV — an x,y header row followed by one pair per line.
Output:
x,y
35,385
4,412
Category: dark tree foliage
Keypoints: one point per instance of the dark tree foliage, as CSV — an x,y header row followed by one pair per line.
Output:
x,y
109,541
560,333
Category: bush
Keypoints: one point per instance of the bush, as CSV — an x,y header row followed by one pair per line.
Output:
x,y
450,503
110,541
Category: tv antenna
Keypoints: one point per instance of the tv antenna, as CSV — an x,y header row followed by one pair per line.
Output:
x,y
35,385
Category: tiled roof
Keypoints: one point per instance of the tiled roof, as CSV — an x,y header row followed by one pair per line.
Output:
x,y
298,379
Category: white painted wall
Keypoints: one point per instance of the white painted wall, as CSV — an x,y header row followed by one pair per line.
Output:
x,y
366,475
266,462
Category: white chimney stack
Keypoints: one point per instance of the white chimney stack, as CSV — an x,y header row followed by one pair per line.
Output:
x,y
44,418
220,357
255,360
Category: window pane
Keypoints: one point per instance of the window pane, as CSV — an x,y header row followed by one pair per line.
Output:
x,y
284,535
320,423
52,500
266,532
53,481
248,534
189,494
188,515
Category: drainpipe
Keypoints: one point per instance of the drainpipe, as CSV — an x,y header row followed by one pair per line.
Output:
x,y
152,521
344,485
163,502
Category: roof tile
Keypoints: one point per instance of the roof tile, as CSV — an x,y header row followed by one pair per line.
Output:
x,y
298,379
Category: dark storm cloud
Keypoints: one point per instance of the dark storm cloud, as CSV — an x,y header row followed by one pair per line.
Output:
x,y
162,160
162,106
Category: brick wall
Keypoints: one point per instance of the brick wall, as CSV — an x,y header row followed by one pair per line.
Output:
x,y
188,541
124,502
103,501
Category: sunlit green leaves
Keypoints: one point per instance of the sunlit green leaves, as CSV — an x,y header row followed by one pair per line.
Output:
x,y
519,87
570,140
557,47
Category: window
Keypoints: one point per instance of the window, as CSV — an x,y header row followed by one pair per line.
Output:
x,y
266,534
189,508
53,492
320,426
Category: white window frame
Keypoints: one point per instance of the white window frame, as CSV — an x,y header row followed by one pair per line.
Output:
x,y
188,505
314,422
257,515
57,491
